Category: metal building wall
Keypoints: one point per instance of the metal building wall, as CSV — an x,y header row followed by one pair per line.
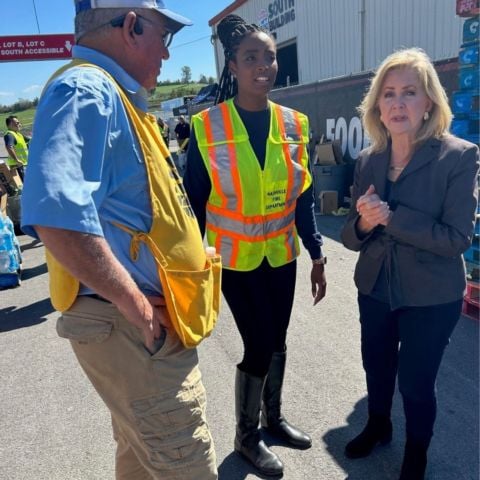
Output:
x,y
340,37
428,24
328,44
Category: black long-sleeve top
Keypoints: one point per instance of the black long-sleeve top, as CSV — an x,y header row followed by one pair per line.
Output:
x,y
198,186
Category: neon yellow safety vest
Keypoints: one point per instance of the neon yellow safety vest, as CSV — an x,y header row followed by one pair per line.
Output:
x,y
250,212
20,148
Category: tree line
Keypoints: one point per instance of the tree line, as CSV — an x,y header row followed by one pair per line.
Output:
x,y
182,90
19,106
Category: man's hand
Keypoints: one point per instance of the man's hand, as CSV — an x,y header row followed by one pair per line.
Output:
x,y
319,282
153,318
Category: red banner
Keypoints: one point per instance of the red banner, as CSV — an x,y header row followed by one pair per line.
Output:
x,y
36,47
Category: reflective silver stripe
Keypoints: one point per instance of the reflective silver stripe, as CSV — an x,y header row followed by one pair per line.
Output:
x,y
222,157
218,128
227,250
249,229
290,125
298,172
295,149
291,243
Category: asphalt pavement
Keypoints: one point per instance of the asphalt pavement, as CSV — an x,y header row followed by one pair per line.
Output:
x,y
55,427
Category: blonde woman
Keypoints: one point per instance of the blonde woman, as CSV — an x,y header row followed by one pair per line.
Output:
x,y
414,198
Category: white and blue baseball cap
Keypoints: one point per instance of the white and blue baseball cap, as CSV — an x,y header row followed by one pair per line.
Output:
x,y
179,21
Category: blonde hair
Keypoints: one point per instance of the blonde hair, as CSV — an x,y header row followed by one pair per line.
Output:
x,y
440,115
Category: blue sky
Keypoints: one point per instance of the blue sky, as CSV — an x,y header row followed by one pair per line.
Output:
x,y
191,46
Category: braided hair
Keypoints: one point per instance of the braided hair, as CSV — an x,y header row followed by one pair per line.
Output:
x,y
231,31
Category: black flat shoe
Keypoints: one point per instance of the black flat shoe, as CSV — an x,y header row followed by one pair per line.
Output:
x,y
377,431
414,462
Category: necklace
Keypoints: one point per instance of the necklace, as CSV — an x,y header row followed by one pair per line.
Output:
x,y
398,169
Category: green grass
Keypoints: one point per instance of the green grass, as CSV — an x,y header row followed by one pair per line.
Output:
x,y
26,117
166,89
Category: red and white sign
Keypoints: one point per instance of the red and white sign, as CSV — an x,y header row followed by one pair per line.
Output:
x,y
36,47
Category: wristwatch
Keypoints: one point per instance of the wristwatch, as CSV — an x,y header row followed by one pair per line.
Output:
x,y
320,261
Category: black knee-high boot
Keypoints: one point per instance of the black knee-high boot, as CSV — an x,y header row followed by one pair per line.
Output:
x,y
272,419
248,395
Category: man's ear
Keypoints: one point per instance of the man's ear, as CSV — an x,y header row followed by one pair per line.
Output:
x,y
131,27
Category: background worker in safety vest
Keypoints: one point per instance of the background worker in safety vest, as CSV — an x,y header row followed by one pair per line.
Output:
x,y
111,211
250,186
17,145
164,130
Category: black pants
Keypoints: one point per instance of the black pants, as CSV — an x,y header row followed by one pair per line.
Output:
x,y
21,172
261,303
408,341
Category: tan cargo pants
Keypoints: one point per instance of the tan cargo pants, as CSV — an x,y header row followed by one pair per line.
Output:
x,y
157,402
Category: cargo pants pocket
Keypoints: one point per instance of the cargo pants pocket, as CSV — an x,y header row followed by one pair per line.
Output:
x,y
83,328
173,428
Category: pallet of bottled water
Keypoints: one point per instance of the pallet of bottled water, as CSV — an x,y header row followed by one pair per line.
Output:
x,y
10,255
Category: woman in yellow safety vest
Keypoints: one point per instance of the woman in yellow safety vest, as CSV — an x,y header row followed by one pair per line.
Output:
x,y
250,186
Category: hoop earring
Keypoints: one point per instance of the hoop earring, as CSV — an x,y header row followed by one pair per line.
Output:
x,y
426,116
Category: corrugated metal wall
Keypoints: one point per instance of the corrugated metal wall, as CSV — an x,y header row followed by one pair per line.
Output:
x,y
334,39
429,24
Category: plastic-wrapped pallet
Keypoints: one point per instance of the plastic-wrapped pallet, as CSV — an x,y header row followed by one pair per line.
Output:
x,y
10,255
466,101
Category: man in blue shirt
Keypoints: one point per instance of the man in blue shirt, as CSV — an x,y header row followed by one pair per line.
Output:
x,y
87,175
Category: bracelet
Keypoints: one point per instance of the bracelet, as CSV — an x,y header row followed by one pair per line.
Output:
x,y
320,261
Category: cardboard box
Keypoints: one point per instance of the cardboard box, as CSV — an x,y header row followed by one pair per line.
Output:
x,y
328,201
10,179
328,154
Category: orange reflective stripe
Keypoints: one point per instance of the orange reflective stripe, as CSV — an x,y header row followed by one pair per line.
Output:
x,y
232,154
301,146
250,219
213,158
218,242
250,238
286,152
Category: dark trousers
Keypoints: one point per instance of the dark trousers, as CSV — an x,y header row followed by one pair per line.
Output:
x,y
408,341
261,303
21,172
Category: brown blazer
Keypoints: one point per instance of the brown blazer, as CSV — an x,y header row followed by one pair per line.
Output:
x,y
433,202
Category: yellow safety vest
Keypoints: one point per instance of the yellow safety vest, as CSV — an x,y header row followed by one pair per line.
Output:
x,y
190,281
20,148
250,212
